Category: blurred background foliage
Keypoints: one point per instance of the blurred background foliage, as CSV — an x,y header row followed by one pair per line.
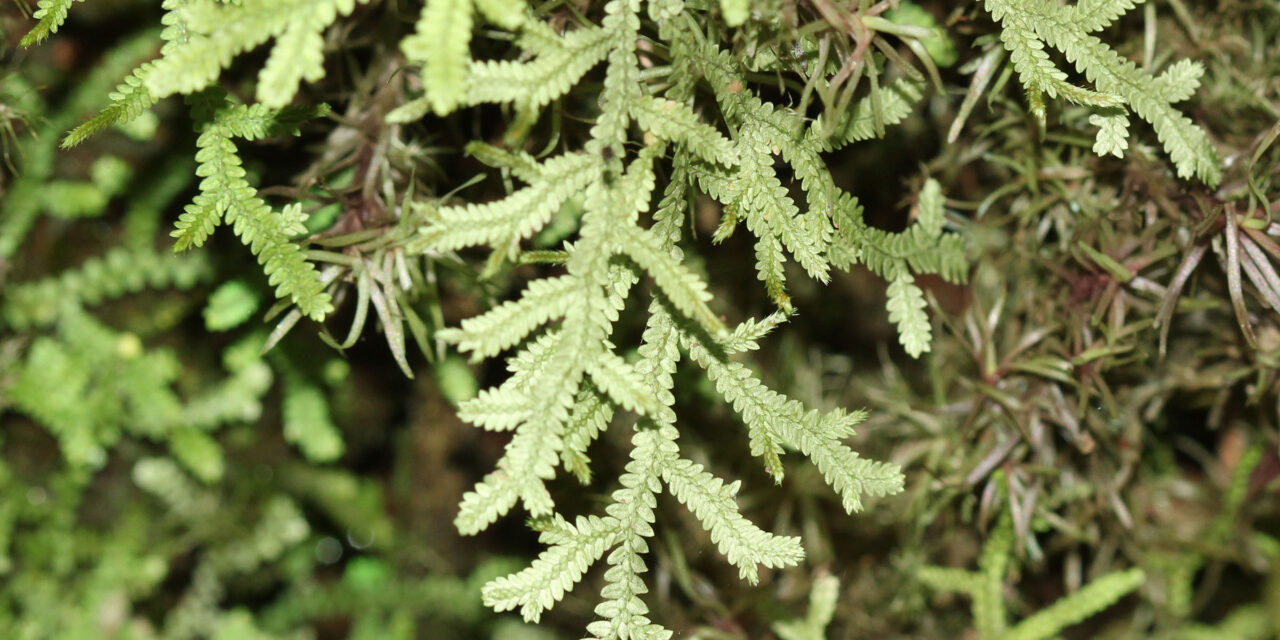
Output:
x,y
1102,396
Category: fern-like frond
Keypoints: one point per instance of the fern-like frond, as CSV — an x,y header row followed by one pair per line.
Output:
x,y
774,420
683,287
216,33
744,544
567,380
117,273
1077,607
1027,26
590,417
1095,15
502,327
573,548
307,424
621,383
50,14
519,215
1180,80
906,307
548,76
128,102
442,46
673,121
225,195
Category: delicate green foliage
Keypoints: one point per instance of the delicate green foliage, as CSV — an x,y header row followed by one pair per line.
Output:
x,y
51,14
306,421
930,215
741,542
1029,25
1113,133
619,137
559,62
822,607
215,33
858,122
907,310
226,196
566,381
774,421
230,305
670,120
1079,606
515,217
986,589
118,273
682,287
62,384
573,548
441,45
130,100
506,325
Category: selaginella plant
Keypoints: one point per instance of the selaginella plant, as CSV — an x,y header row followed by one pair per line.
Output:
x,y
690,104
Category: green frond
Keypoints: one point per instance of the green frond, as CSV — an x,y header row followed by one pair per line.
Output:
x,y
548,76
1029,25
491,498
1113,133
230,305
622,383
681,286
1095,15
497,409
442,46
1180,80
306,421
118,273
822,607
50,14
129,100
857,123
774,420
676,122
758,196
1077,607
213,34
771,270
528,461
504,326
226,196
519,215
623,612
746,335
590,417
745,545
574,547
930,213
906,307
